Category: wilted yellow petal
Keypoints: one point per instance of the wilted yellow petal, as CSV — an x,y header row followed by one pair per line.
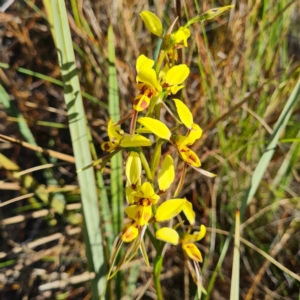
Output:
x,y
139,213
189,212
193,252
148,76
169,209
129,233
133,168
189,156
136,141
152,22
166,174
184,113
155,126
177,74
144,62
168,235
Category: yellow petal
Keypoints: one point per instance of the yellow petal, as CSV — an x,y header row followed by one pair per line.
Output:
x,y
166,174
194,134
140,214
168,235
169,209
130,192
133,168
193,252
148,76
136,141
189,156
155,126
177,74
201,233
189,212
144,62
129,233
184,113
152,22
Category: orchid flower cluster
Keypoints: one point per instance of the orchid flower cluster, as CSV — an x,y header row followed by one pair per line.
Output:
x,y
158,82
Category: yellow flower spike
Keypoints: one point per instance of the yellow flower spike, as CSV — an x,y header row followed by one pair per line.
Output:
x,y
143,62
152,22
155,126
169,209
136,141
168,235
192,252
184,113
166,174
129,233
177,74
179,38
189,156
189,212
133,169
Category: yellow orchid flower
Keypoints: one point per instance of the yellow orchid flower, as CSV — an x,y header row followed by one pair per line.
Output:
x,y
147,83
179,38
190,250
172,78
118,139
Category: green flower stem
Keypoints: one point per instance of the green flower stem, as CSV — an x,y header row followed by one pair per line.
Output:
x,y
146,166
156,156
156,273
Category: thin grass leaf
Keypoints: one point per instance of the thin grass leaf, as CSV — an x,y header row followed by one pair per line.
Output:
x,y
80,142
235,277
259,172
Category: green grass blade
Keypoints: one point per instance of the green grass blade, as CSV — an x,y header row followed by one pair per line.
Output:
x,y
116,176
235,277
259,171
117,194
80,142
